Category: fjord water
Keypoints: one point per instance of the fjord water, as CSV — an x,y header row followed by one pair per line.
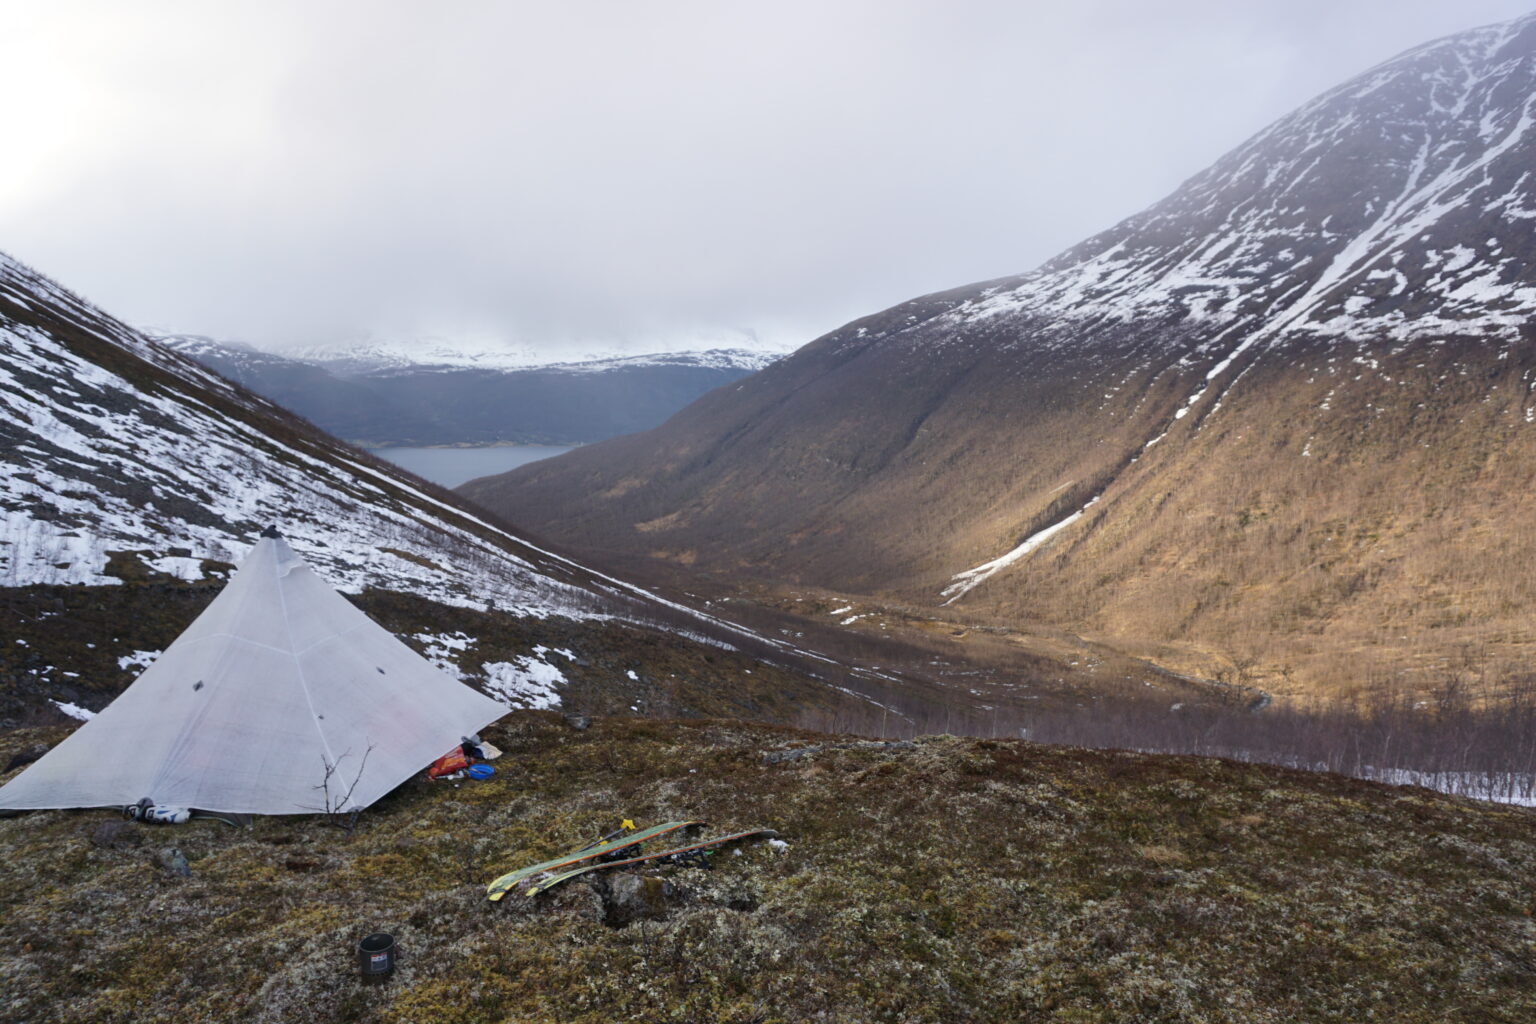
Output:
x,y
453,466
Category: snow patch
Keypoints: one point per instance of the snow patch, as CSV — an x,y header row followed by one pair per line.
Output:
x,y
1498,787
73,710
525,682
440,648
966,581
137,660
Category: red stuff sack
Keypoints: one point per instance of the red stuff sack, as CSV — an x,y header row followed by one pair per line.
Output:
x,y
453,761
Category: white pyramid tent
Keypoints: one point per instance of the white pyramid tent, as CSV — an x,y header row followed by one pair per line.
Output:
x,y
278,678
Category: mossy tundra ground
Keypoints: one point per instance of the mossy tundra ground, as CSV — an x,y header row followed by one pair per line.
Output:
x,y
946,880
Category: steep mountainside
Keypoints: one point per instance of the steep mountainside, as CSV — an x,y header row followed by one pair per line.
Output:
x,y
1280,423
376,402
133,478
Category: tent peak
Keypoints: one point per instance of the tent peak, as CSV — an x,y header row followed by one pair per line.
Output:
x,y
271,531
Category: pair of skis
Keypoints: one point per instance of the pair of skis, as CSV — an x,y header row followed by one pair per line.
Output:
x,y
611,843
583,861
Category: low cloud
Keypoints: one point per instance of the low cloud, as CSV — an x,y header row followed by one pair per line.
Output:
x,y
605,175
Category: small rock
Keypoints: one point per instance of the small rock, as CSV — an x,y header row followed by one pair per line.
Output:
x,y
172,860
578,722
743,902
26,757
779,756
796,753
639,897
111,835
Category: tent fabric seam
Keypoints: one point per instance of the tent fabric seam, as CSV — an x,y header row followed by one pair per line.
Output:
x,y
257,643
330,755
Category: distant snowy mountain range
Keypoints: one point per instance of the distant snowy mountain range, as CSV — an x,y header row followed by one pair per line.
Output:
x,y
379,395
725,349
373,357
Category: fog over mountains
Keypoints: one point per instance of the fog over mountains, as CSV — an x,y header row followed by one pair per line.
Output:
x,y
1281,421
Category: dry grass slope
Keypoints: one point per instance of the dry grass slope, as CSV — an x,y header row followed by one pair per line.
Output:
x,y
954,880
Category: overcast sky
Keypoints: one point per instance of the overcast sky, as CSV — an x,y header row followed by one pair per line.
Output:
x,y
586,176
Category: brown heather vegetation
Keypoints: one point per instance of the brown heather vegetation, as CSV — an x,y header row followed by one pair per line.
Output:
x,y
951,880
1395,552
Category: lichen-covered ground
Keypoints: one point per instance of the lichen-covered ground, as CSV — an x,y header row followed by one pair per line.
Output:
x,y
949,880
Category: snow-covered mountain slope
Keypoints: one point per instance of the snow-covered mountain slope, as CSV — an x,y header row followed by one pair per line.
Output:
x,y
131,478
233,353
1398,205
395,401
114,443
1288,409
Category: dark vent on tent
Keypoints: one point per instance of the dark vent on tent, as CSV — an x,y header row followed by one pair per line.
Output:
x,y
382,672
197,685
271,531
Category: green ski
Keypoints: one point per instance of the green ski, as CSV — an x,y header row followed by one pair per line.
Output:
x,y
550,883
499,888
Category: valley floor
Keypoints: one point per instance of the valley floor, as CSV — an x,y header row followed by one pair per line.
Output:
x,y
942,880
